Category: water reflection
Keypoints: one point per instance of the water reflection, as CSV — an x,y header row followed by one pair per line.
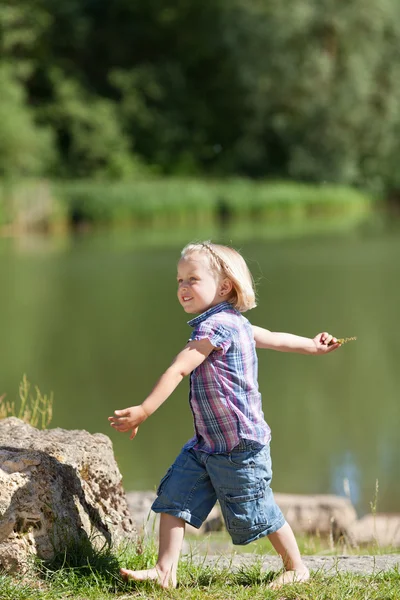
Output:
x,y
346,477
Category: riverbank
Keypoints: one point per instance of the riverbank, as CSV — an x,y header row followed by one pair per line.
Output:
x,y
55,206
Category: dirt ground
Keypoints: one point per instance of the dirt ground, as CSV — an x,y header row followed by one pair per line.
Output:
x,y
329,564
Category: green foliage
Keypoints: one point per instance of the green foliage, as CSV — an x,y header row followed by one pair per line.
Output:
x,y
306,90
323,86
24,146
90,136
22,25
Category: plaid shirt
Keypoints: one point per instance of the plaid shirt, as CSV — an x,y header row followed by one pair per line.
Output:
x,y
224,396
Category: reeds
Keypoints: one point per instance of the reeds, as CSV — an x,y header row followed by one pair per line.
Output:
x,y
37,410
174,202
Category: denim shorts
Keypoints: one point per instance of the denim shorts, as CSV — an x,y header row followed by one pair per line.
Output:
x,y
239,480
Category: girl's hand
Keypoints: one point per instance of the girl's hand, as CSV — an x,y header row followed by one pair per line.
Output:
x,y
325,342
128,418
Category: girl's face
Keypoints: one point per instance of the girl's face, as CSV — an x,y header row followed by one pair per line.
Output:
x,y
200,288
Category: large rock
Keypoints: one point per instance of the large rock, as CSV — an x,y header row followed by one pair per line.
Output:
x,y
57,486
380,529
322,514
139,504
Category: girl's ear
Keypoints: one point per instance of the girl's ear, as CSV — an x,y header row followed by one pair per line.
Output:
x,y
225,287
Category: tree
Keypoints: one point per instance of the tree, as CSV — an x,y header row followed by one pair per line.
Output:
x,y
323,88
306,89
24,146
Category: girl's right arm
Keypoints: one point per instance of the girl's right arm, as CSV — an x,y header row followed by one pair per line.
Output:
x,y
193,354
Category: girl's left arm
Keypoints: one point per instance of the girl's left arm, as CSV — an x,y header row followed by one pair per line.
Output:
x,y
288,342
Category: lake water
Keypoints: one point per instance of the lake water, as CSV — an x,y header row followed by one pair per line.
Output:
x,y
95,319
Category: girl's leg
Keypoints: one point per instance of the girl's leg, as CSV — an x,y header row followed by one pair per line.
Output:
x,y
286,546
172,531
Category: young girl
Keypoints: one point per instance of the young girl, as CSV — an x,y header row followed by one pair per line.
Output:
x,y
228,458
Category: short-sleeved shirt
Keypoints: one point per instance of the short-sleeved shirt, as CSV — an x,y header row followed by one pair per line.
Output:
x,y
224,396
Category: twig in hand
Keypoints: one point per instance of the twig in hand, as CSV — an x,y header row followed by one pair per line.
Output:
x,y
342,341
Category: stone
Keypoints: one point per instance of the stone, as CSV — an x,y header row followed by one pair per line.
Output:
x,y
214,522
380,529
321,514
140,507
57,487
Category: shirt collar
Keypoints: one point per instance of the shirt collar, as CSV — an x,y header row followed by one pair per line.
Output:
x,y
211,311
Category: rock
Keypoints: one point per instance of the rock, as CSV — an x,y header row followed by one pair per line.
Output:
x,y
214,522
318,514
139,504
322,514
380,529
57,486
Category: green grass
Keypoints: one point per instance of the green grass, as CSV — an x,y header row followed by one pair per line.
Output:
x,y
82,573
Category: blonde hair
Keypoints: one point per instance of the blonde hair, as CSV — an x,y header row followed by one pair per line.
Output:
x,y
229,263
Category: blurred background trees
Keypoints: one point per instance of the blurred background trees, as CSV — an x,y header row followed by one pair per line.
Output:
x,y
306,89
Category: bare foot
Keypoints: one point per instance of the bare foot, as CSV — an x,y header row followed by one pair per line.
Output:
x,y
295,576
165,580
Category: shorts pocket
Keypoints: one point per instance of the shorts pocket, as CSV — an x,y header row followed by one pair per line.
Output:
x,y
249,455
245,458
163,482
244,511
